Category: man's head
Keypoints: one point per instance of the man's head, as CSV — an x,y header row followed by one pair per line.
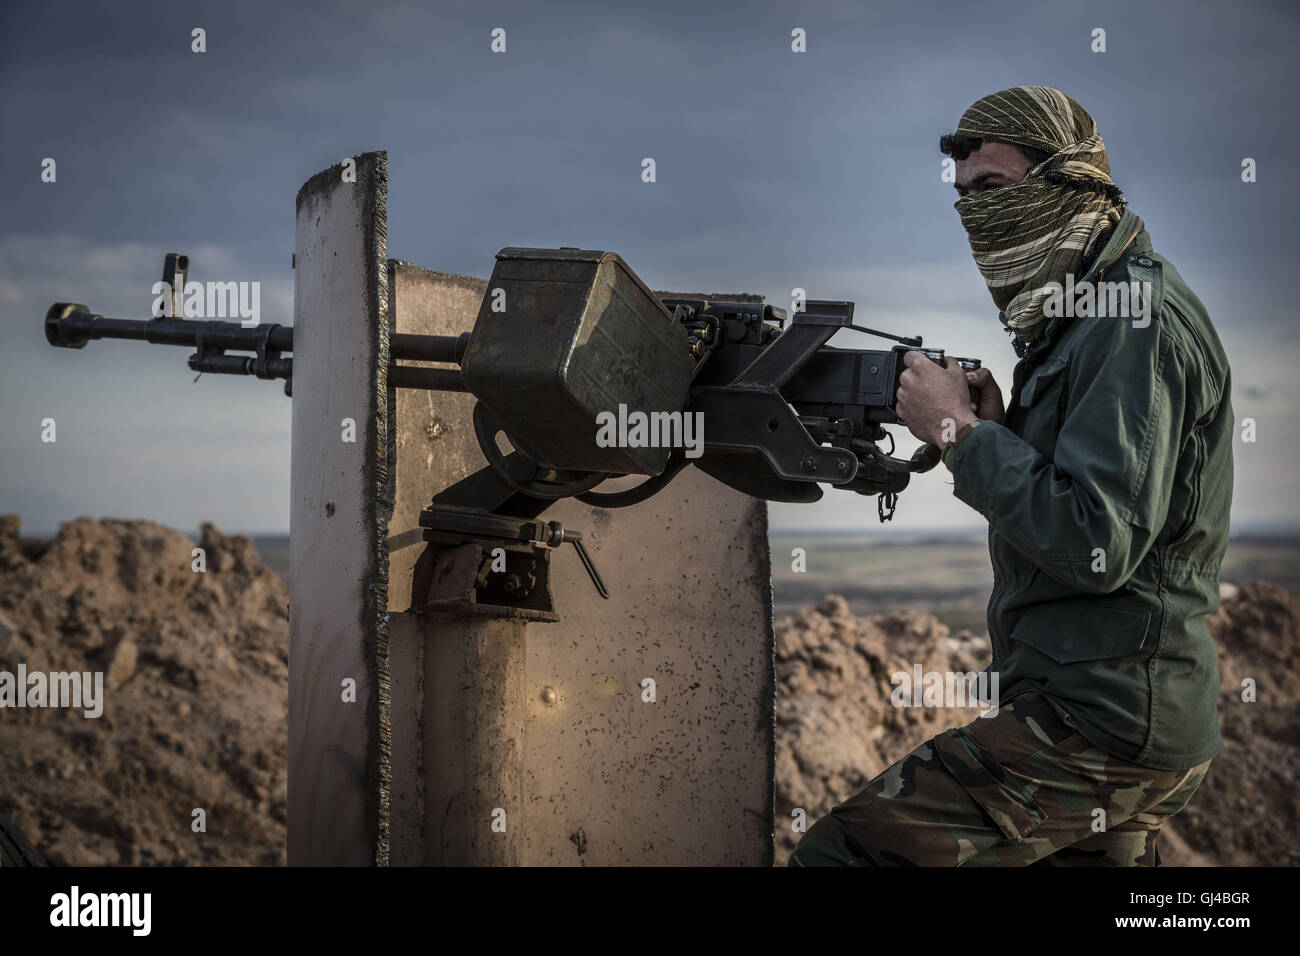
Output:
x,y
1036,196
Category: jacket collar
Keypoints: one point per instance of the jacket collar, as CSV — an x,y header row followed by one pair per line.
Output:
x,y
1129,235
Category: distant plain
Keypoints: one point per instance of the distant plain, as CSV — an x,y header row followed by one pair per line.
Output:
x,y
948,575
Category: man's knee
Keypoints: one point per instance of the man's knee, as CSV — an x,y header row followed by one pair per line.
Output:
x,y
828,844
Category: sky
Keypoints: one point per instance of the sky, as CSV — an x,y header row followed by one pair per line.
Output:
x,y
774,170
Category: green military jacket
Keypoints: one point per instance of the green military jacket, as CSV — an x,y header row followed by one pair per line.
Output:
x,y
1107,491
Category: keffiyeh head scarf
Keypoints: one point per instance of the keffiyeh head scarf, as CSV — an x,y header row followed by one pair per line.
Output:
x,y
1036,231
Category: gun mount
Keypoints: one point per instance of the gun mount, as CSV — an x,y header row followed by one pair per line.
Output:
x,y
587,376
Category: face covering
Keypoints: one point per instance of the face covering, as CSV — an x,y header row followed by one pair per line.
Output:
x,y
1033,233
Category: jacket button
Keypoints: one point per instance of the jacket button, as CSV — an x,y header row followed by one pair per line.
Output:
x,y
1145,263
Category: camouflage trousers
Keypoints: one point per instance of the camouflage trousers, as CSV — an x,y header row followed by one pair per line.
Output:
x,y
1022,787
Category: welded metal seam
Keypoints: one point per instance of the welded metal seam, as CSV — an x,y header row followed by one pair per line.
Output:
x,y
381,497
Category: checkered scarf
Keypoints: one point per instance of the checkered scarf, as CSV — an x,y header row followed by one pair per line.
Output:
x,y
1031,233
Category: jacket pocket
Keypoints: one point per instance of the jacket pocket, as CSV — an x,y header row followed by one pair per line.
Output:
x,y
1073,631
1042,400
1042,378
1007,803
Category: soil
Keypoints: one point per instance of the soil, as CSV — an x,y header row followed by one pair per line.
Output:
x,y
837,729
195,667
195,671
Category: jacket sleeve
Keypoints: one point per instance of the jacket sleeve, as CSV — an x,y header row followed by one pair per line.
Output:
x,y
1110,479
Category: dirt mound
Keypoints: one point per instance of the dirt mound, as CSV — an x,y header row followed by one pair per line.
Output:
x,y
836,726
1247,813
195,678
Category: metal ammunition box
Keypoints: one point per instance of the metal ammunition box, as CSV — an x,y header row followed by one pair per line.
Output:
x,y
577,334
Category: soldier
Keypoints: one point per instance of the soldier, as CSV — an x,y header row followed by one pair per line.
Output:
x,y
1106,484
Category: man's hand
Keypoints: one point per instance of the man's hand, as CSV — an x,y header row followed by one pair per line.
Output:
x,y
934,400
987,396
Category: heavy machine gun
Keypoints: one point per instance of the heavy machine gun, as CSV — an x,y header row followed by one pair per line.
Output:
x,y
568,348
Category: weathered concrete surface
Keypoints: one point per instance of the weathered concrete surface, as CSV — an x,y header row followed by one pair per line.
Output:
x,y
458,695
612,778
338,760
406,663
433,443
474,731
561,725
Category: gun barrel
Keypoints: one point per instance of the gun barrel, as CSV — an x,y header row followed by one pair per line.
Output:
x,y
428,379
71,325
429,348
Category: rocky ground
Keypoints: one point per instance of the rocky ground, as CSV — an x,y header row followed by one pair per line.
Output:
x,y
196,678
836,726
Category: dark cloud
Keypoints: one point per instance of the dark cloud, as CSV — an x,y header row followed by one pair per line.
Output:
x,y
774,169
